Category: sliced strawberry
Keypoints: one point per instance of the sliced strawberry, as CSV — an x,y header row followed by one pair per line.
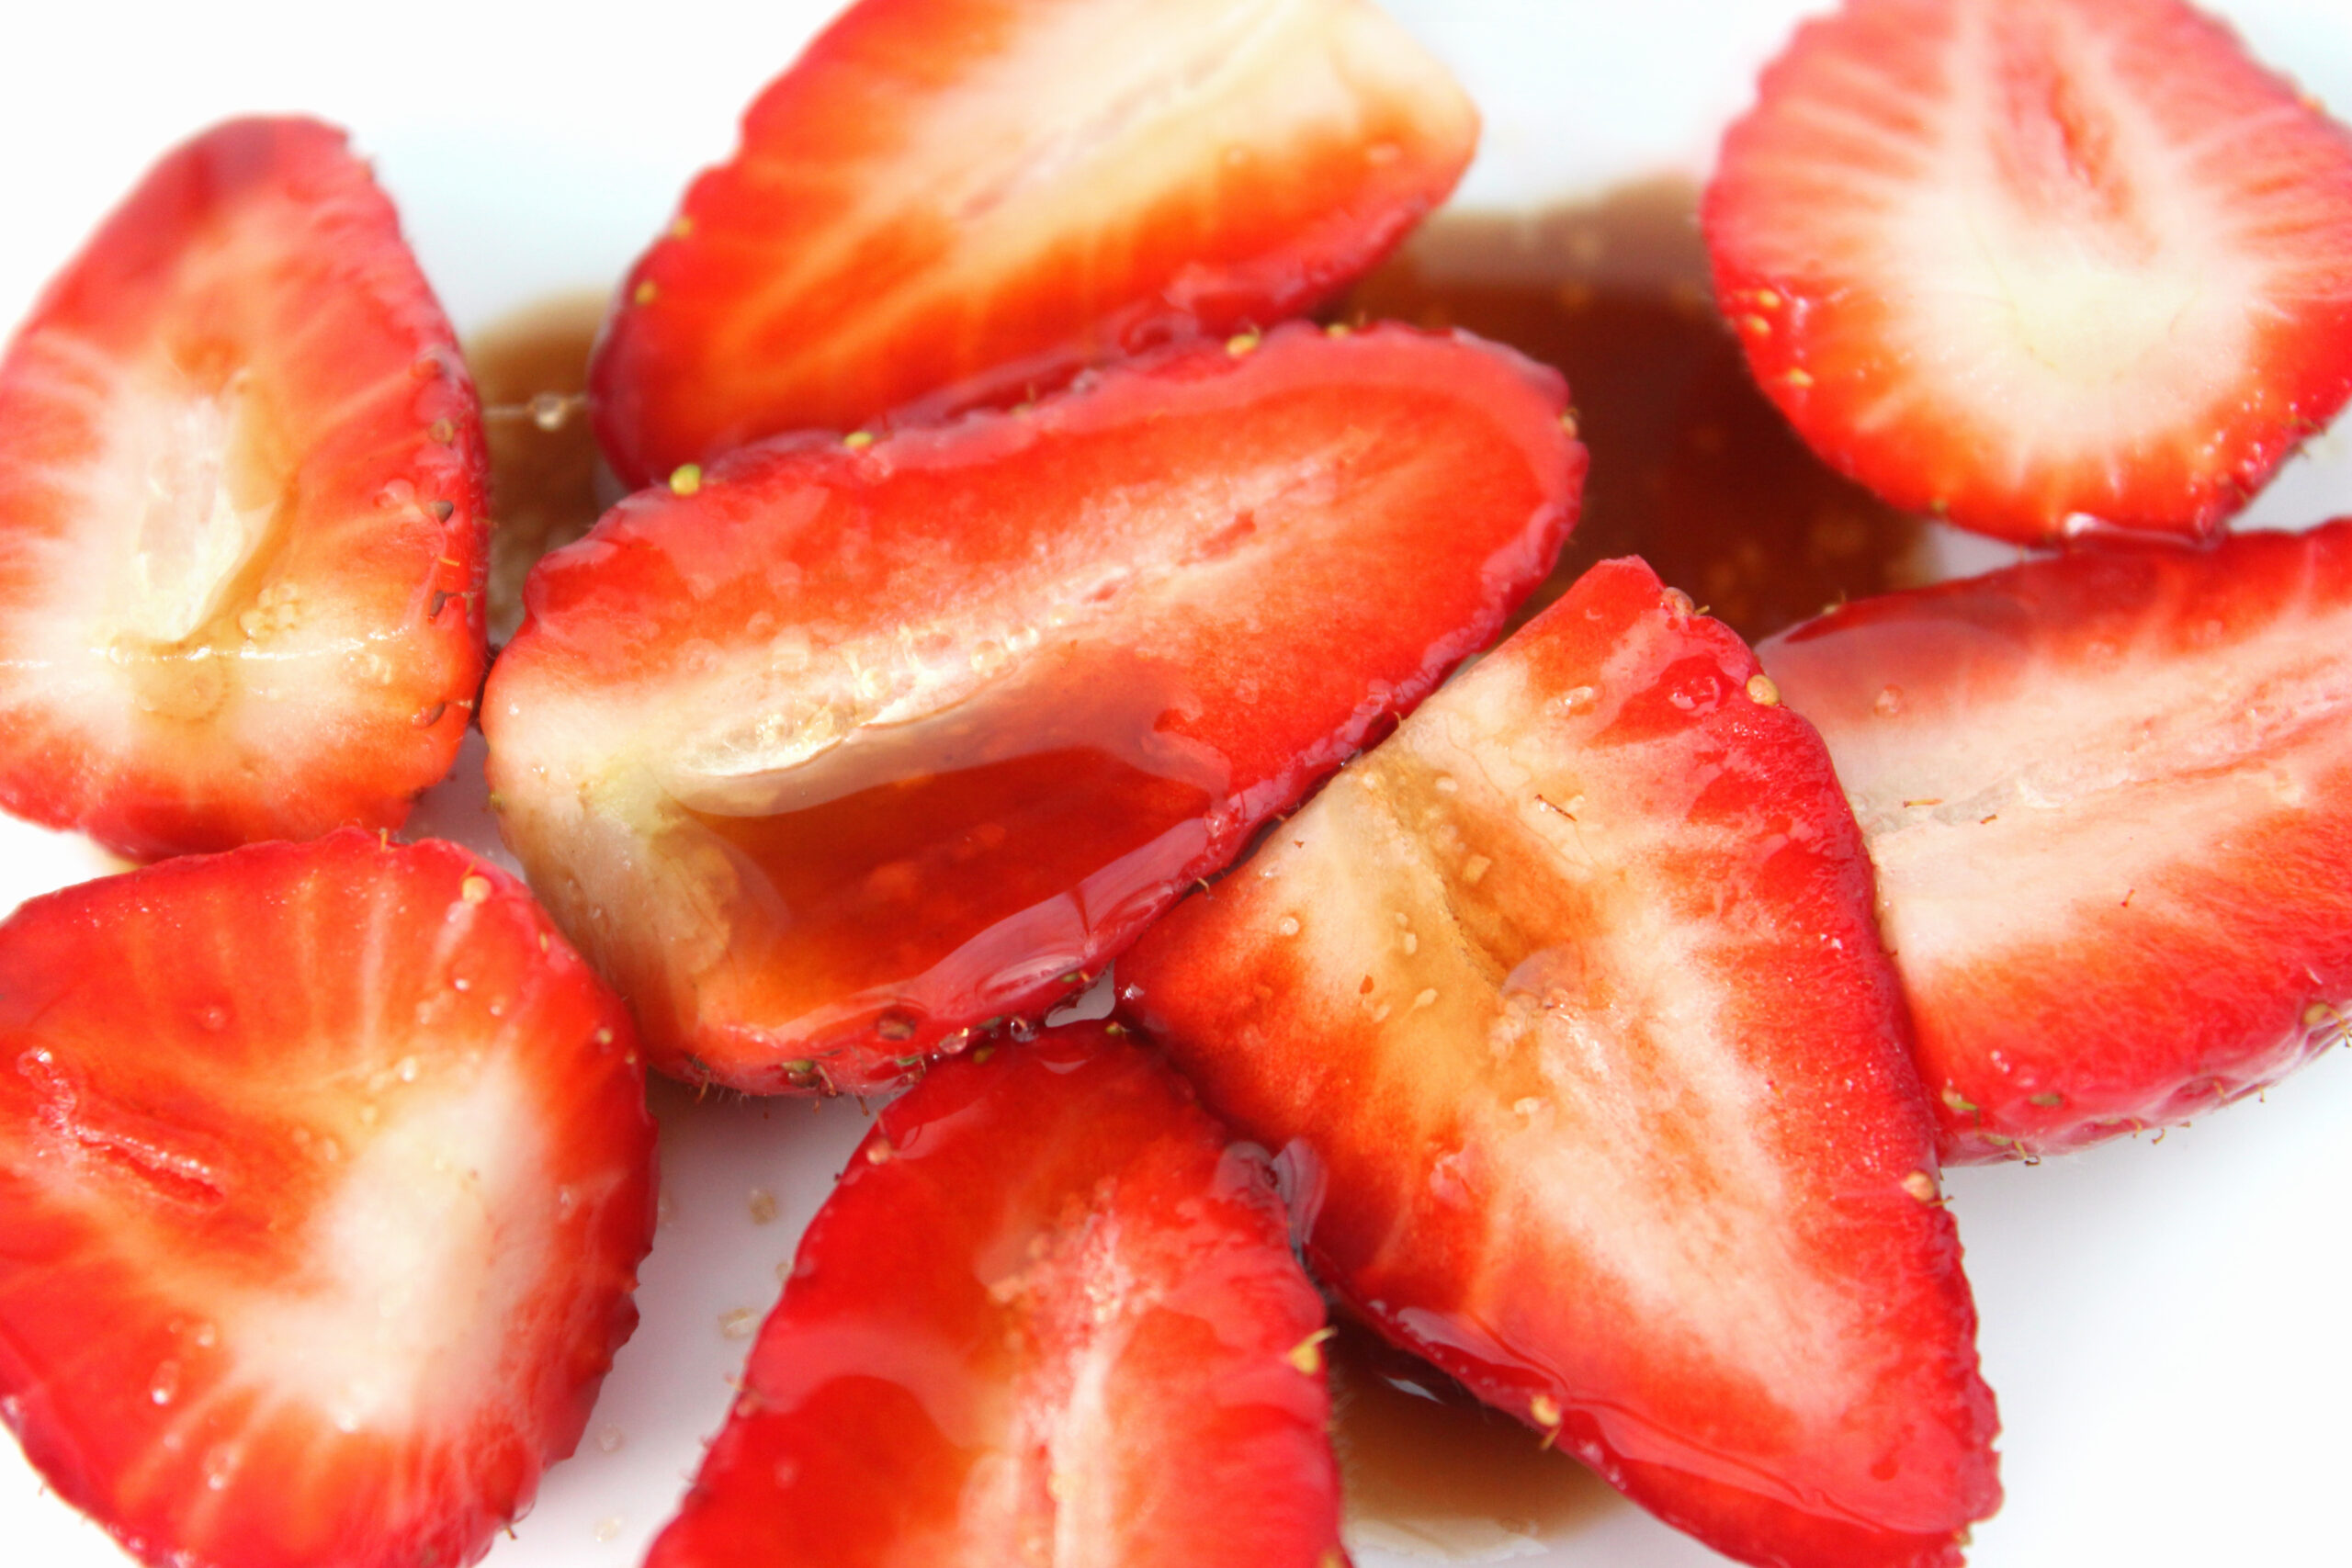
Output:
x,y
2046,267
1568,1001
324,1173
1050,1314
837,749
946,203
241,512
2111,802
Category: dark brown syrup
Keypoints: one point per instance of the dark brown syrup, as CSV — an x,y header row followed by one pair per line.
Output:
x,y
1692,469
531,368
1426,1469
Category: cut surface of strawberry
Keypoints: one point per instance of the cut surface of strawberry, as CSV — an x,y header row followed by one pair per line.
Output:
x,y
845,749
1566,1002
324,1174
242,516
946,203
1050,1314
2109,798
2045,267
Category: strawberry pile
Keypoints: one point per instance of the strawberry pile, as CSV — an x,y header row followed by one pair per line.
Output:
x,y
1017,589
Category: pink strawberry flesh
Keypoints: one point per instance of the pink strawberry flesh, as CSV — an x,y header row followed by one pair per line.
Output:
x,y
1050,1314
2043,266
2109,797
843,751
324,1174
946,203
1567,1004
241,512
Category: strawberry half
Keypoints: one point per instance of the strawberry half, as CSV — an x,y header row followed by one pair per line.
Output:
x,y
1567,1002
946,203
2046,267
837,749
1050,1314
2111,802
241,512
324,1174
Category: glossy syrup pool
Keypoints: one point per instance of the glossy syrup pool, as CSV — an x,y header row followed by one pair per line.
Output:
x,y
1692,469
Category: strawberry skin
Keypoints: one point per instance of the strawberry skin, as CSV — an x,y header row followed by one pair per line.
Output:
x,y
841,749
948,203
2109,797
2045,267
1050,1314
324,1174
1567,1003
242,481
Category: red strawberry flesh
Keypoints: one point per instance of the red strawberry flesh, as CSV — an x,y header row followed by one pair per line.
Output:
x,y
852,749
2045,267
324,1173
241,512
1050,1314
950,202
2111,804
1568,1001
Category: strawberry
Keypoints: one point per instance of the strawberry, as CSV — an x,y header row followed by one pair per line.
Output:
x,y
324,1174
837,749
241,512
2047,267
946,203
1567,1003
2109,797
1050,1314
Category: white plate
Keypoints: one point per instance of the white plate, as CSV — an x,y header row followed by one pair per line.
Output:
x,y
2162,1317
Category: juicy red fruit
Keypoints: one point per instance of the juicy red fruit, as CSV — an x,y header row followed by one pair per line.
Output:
x,y
946,203
1050,1314
2045,267
843,751
2109,798
324,1173
241,512
1566,1002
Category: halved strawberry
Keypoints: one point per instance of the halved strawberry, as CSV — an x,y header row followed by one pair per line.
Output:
x,y
1567,1002
241,512
946,203
1050,1315
324,1174
2046,267
2111,801
836,750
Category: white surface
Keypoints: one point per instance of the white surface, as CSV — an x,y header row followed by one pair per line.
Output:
x,y
2161,1317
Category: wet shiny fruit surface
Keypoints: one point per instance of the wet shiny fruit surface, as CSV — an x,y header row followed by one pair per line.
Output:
x,y
1050,1314
324,1174
1567,1004
836,750
241,512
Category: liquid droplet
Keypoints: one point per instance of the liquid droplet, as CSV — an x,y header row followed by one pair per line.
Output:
x,y
165,1386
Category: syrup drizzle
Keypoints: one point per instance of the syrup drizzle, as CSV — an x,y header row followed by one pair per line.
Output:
x,y
1021,820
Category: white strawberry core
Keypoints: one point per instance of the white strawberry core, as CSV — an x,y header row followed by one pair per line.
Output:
x,y
2081,276
417,1263
2114,777
195,524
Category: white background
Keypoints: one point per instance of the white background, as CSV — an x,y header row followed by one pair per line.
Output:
x,y
2162,1319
